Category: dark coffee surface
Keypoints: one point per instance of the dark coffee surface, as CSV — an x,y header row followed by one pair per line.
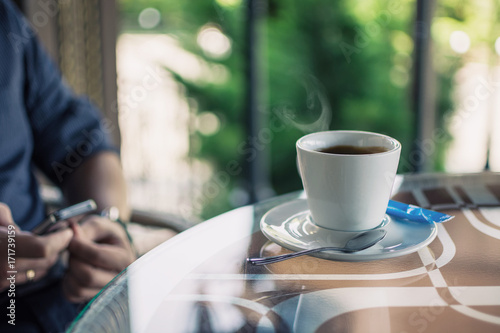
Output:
x,y
353,150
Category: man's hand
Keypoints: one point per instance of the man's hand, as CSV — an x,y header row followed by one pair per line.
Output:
x,y
29,251
100,249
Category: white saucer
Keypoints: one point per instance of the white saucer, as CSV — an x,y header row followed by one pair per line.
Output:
x,y
289,225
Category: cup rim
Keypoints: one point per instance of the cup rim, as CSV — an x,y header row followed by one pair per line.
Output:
x,y
397,144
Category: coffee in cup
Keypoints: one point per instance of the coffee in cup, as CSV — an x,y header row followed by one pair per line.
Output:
x,y
348,177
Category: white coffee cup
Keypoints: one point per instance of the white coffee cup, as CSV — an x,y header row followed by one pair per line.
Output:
x,y
347,192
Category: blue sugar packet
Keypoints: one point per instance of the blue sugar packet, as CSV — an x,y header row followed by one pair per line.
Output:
x,y
415,213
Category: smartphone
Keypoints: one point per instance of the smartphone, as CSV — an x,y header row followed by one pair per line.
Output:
x,y
53,220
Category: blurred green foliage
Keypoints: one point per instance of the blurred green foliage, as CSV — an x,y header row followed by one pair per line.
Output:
x,y
348,60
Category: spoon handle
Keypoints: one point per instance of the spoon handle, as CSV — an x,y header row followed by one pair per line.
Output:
x,y
281,257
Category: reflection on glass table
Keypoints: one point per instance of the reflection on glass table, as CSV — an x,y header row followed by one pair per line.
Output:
x,y
199,281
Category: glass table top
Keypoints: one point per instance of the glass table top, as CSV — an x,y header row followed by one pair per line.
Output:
x,y
199,281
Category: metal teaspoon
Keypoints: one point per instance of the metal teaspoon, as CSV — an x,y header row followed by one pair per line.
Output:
x,y
360,242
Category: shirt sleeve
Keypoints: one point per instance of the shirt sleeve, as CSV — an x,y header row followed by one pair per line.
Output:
x,y
67,129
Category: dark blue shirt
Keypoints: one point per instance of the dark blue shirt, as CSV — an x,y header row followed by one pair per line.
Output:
x,y
42,124
45,127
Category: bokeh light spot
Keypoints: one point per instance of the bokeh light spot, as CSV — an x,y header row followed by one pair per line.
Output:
x,y
229,3
208,123
149,18
459,41
213,42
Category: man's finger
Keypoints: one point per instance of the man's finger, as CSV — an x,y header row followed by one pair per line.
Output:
x,y
76,293
58,241
87,275
32,246
102,230
24,264
22,275
105,256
